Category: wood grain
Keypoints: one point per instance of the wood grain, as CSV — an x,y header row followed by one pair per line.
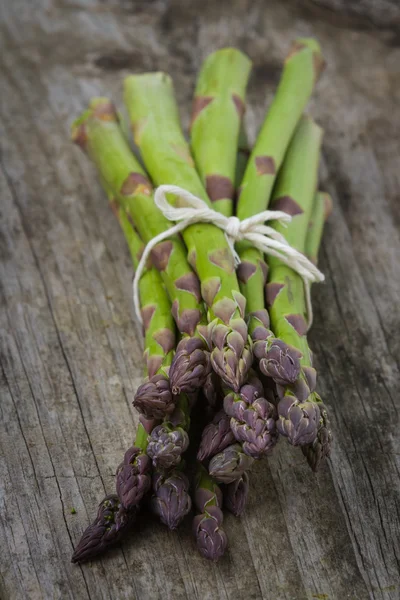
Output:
x,y
70,350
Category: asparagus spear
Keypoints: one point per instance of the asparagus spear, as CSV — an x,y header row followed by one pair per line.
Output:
x,y
322,208
302,67
111,522
116,513
133,474
154,116
207,526
98,133
218,109
299,407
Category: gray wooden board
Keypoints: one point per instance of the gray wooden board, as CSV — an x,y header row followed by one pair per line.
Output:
x,y
71,351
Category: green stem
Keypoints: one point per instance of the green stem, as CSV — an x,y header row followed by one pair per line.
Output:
x,y
301,70
294,193
321,210
294,90
150,289
154,116
218,109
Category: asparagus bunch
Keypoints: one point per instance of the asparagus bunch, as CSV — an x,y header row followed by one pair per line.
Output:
x,y
249,353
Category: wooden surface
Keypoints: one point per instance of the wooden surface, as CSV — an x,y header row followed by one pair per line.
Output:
x,y
70,351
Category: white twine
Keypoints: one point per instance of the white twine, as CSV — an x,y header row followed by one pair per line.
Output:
x,y
264,238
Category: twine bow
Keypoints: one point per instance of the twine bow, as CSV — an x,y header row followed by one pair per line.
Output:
x,y
261,236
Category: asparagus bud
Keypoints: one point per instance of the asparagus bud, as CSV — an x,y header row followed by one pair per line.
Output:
x,y
253,419
154,398
236,494
281,362
207,526
298,421
171,501
211,538
190,366
321,447
166,445
111,522
232,356
230,464
216,436
255,427
133,477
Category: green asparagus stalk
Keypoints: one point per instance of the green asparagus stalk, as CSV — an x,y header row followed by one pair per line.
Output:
x,y
299,407
98,133
159,344
168,441
159,326
218,109
116,514
154,117
302,67
322,208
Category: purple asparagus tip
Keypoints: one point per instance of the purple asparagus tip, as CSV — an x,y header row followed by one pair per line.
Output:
x,y
298,421
316,452
166,445
236,494
253,419
210,537
133,477
154,398
171,500
230,464
256,428
216,436
111,522
231,357
281,362
190,366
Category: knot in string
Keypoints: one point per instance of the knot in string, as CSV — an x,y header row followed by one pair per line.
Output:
x,y
263,237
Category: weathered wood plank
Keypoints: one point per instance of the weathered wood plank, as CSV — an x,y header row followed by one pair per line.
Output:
x,y
70,352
